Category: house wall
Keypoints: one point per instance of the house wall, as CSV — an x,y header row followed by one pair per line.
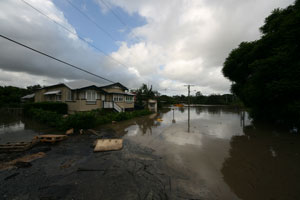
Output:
x,y
79,103
113,89
125,104
75,105
82,105
40,97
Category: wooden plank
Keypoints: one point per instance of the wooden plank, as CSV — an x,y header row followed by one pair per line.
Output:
x,y
108,145
51,138
18,146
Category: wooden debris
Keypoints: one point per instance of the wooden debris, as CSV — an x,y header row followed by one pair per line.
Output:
x,y
18,146
67,164
24,159
113,122
93,132
108,145
81,131
70,131
52,138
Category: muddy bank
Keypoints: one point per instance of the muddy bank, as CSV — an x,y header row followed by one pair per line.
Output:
x,y
71,170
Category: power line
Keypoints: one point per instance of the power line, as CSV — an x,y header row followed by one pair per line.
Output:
x,y
52,57
81,38
116,16
91,20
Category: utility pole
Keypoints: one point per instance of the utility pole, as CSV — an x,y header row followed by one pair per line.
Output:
x,y
189,102
189,91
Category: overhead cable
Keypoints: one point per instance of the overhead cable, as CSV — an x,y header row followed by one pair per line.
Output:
x,y
54,58
81,38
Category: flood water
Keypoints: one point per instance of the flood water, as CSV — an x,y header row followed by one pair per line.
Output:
x,y
219,155
215,151
15,128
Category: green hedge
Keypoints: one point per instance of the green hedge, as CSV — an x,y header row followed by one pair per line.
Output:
x,y
81,120
58,107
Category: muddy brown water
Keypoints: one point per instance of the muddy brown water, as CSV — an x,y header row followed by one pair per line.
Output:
x,y
221,154
216,151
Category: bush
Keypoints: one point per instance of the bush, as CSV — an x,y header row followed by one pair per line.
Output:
x,y
81,120
50,118
58,107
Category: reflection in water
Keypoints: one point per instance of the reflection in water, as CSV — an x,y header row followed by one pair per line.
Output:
x,y
173,120
188,118
15,128
196,145
219,155
263,165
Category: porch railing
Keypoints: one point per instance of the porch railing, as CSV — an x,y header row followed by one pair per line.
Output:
x,y
117,107
110,104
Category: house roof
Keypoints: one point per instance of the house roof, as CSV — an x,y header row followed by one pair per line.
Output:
x,y
52,92
124,93
29,96
80,84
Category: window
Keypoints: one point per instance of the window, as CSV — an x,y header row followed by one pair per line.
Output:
x,y
91,95
58,97
103,97
129,98
118,98
82,95
115,97
69,95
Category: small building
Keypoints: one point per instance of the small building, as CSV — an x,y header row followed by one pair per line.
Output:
x,y
152,105
83,95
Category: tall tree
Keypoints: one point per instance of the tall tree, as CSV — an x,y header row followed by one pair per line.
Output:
x,y
265,73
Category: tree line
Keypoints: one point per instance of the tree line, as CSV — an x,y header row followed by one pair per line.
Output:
x,y
265,72
10,96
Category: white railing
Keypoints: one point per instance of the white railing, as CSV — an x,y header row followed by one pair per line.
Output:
x,y
117,107
108,104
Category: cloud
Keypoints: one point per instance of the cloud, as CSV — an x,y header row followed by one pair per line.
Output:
x,y
187,41
181,42
20,22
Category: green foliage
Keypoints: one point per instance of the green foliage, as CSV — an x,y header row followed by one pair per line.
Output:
x,y
214,99
50,118
143,94
58,107
265,73
11,96
81,120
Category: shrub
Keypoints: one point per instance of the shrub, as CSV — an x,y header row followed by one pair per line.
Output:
x,y
58,107
81,120
50,118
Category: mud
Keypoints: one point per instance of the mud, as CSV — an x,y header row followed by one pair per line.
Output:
x,y
71,170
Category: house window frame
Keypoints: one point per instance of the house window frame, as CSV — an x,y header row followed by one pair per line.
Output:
x,y
58,97
129,99
70,95
93,95
118,98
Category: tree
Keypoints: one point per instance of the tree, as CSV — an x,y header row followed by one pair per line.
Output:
x,y
198,94
143,94
265,73
33,88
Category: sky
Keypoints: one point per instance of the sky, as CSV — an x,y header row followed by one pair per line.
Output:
x,y
164,43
